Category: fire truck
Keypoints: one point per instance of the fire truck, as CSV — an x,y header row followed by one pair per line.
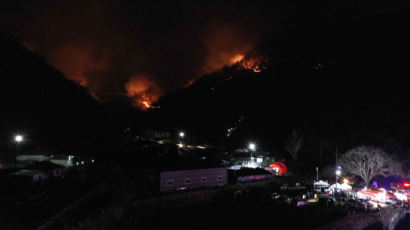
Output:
x,y
380,195
401,191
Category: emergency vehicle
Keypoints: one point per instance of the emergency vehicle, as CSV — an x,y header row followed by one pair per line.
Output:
x,y
401,191
377,195
321,187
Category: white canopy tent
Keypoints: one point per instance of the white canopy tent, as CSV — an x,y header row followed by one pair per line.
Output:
x,y
341,187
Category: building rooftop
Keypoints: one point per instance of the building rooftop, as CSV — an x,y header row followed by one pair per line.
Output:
x,y
187,165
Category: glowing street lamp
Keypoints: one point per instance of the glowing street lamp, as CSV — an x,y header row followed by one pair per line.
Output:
x,y
18,139
181,137
338,173
252,147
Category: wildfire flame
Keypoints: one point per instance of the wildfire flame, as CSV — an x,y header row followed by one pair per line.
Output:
x,y
249,63
237,58
143,92
147,105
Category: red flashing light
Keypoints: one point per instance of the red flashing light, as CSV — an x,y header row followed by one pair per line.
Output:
x,y
406,184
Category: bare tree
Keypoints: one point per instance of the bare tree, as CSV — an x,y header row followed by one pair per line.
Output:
x,y
367,162
293,144
405,168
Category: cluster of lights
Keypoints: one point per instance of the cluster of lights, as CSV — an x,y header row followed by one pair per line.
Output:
x,y
19,138
338,171
230,130
254,161
82,162
228,134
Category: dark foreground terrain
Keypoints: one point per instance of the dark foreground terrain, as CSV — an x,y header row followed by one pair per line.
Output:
x,y
404,224
238,215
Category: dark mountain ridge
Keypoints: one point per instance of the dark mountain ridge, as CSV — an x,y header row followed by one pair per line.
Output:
x,y
39,102
340,82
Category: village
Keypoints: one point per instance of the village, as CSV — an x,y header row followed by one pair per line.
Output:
x,y
180,171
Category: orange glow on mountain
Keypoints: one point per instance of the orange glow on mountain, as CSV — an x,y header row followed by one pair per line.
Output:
x,y
225,45
252,63
78,60
237,58
143,91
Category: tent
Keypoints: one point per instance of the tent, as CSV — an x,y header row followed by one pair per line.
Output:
x,y
280,167
341,187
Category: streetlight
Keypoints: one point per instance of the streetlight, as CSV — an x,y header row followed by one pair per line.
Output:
x,y
338,173
18,139
181,136
252,146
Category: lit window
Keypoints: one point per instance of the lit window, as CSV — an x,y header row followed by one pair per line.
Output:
x,y
219,178
204,179
170,182
187,180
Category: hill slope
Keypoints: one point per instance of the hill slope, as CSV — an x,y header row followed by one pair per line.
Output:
x,y
343,83
37,101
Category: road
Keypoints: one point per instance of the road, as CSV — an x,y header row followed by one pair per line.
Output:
x,y
404,224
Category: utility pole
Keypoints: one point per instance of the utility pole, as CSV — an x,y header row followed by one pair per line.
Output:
x,y
338,173
336,165
18,139
193,146
321,154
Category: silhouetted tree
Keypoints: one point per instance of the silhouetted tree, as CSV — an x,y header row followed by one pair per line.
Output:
x,y
293,144
367,162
